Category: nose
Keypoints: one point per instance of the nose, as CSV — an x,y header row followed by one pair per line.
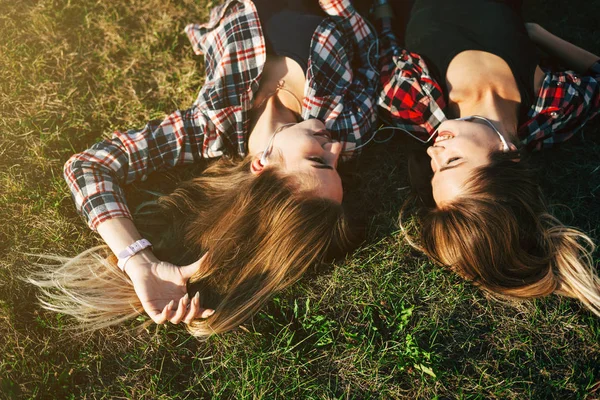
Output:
x,y
318,124
434,152
335,150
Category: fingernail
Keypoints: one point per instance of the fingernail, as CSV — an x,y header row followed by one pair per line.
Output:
x,y
211,312
197,296
186,297
171,304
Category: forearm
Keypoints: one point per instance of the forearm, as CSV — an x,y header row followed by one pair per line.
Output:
x,y
572,56
94,188
160,286
96,175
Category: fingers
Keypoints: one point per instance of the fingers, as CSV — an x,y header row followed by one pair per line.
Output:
x,y
168,314
187,310
188,271
181,310
196,311
194,307
162,317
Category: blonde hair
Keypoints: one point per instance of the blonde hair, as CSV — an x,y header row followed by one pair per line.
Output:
x,y
499,234
261,234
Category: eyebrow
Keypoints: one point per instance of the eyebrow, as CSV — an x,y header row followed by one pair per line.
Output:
x,y
449,167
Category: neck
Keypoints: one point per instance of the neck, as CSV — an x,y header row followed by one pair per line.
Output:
x,y
489,104
267,119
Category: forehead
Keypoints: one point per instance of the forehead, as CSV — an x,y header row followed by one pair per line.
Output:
x,y
324,183
449,184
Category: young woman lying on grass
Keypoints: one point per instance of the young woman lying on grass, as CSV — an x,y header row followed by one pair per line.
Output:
x,y
471,86
288,90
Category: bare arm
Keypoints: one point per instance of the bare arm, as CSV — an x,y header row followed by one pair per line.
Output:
x,y
95,177
160,286
572,56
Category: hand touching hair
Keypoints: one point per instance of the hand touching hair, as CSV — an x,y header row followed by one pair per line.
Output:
x,y
260,233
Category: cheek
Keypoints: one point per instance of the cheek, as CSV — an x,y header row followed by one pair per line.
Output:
x,y
477,151
447,187
298,144
481,157
294,153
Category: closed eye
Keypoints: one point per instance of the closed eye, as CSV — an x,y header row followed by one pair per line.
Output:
x,y
317,159
320,163
452,163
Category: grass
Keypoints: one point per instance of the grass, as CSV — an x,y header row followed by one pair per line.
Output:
x,y
383,323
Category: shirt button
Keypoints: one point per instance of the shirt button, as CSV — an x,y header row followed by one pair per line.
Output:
x,y
554,114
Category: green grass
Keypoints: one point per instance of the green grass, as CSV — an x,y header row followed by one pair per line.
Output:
x,y
383,323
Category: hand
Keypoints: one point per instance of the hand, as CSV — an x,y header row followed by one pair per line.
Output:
x,y
161,288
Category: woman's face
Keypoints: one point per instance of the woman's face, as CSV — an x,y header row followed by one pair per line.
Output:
x,y
306,150
459,148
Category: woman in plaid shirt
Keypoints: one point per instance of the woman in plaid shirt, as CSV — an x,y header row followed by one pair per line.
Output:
x,y
288,92
472,86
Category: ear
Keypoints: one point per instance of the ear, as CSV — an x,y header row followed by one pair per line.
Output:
x,y
512,147
256,167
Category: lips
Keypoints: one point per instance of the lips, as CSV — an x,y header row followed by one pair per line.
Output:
x,y
445,135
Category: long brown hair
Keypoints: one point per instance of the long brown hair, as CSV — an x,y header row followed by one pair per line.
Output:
x,y
499,234
261,234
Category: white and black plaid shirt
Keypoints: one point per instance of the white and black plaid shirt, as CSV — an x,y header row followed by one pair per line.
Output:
x,y
340,90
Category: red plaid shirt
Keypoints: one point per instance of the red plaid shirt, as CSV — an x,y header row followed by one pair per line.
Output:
x,y
340,90
414,101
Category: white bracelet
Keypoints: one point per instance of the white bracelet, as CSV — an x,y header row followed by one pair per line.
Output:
x,y
131,251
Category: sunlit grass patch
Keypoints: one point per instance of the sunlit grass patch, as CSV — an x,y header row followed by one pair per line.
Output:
x,y
382,323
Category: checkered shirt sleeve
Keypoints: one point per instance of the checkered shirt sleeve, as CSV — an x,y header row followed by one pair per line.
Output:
x,y
233,40
409,98
340,91
565,103
342,81
235,52
95,176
